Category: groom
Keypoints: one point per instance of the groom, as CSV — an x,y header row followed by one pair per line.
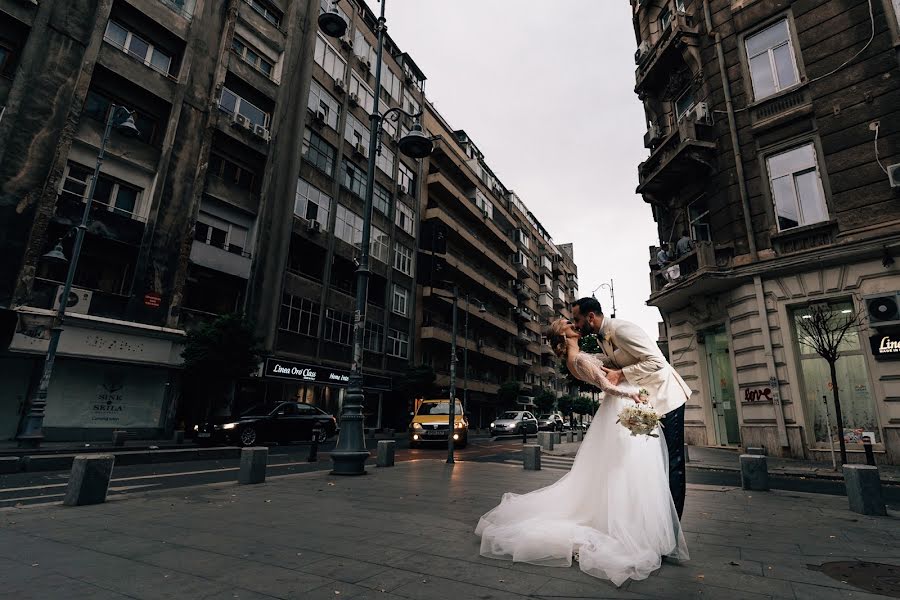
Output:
x,y
635,359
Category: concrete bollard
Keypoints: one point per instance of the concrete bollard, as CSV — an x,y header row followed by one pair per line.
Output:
x,y
253,465
179,436
89,479
386,453
9,464
581,435
119,437
864,490
754,473
557,437
687,454
531,457
756,451
570,437
545,440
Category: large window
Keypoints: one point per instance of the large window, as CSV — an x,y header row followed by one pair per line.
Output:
x,y
122,38
773,66
390,83
373,337
402,258
338,326
400,301
114,195
356,132
299,315
253,57
311,203
320,100
268,12
348,225
684,103
403,218
329,59
406,179
363,92
398,343
220,233
319,152
379,245
234,104
484,204
797,188
232,173
354,178
362,48
97,106
385,161
381,200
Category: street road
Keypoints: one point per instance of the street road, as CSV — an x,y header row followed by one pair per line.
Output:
x,y
47,487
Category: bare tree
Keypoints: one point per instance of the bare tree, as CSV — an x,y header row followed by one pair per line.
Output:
x,y
824,329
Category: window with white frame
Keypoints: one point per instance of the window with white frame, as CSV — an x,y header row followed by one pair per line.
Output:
x,y
365,95
312,204
299,315
385,161
348,225
338,326
217,232
362,48
398,343
319,152
373,337
379,245
353,178
406,179
679,6
320,100
268,12
521,258
356,133
125,40
253,57
403,217
797,187
381,200
329,59
409,103
483,203
114,195
400,300
402,258
390,83
234,104
773,65
665,19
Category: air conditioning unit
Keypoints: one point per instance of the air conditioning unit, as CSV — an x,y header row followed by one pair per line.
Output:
x,y
320,116
354,99
79,300
701,112
642,52
653,136
261,131
484,213
367,63
314,227
239,120
894,175
339,86
883,309
361,150
347,43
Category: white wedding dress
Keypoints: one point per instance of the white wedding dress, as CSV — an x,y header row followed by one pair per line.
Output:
x,y
613,507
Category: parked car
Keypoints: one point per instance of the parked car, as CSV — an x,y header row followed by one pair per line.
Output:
x,y
513,422
431,423
287,422
551,422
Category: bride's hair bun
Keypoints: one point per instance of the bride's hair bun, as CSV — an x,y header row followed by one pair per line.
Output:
x,y
556,336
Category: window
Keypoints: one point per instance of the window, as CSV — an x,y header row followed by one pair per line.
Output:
x,y
320,100
232,173
403,218
385,161
381,200
406,179
7,64
546,262
665,19
402,258
126,41
269,13
299,315
311,203
348,226
362,48
338,326
214,231
519,257
684,103
400,301
484,204
679,6
253,57
698,216
773,66
117,196
373,337
390,83
379,245
329,59
363,92
410,104
356,133
398,343
797,188
523,238
319,152
234,104
354,178
97,106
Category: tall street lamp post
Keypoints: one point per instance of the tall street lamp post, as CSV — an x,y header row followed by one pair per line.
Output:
x,y
612,294
350,453
31,434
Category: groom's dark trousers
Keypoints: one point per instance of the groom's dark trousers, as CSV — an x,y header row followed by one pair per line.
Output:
x,y
673,430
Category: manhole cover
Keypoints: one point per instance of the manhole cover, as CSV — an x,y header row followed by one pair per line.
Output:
x,y
872,577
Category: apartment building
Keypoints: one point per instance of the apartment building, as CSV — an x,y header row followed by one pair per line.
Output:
x,y
771,131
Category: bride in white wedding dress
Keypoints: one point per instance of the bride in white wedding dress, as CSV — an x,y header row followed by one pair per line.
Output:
x,y
612,511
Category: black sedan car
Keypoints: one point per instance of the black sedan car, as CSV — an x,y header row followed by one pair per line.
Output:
x,y
287,422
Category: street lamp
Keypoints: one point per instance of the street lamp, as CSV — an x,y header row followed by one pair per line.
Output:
x,y
350,453
481,310
32,433
612,293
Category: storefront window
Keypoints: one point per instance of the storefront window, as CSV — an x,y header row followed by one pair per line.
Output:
x,y
857,401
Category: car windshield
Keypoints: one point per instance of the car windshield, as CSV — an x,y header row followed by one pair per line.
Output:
x,y
439,408
546,417
510,415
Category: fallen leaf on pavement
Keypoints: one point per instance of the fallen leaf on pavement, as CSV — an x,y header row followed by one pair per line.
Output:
x,y
734,564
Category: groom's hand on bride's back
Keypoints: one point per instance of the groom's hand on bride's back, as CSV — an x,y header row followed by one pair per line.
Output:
x,y
614,376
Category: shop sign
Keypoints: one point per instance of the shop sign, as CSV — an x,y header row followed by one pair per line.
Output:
x,y
284,369
886,346
152,300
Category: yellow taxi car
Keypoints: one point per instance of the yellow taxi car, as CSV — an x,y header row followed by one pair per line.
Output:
x,y
431,423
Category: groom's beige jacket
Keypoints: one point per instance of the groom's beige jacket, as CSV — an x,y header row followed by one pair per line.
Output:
x,y
629,348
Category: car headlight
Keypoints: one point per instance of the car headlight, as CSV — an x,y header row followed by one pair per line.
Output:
x,y
492,424
229,425
459,425
196,428
417,426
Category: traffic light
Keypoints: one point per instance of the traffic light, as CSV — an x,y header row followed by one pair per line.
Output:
x,y
430,268
434,237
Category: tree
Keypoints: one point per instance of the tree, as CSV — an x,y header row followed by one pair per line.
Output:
x,y
583,406
545,401
418,382
566,406
508,394
216,355
824,329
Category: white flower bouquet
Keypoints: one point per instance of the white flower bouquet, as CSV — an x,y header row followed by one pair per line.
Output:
x,y
640,418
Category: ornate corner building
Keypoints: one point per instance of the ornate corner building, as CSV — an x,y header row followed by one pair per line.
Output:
x,y
772,131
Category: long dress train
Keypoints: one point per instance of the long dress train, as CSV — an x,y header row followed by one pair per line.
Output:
x,y
613,507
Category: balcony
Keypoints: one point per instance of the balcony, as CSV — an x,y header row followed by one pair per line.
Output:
x,y
545,303
559,300
547,349
545,266
92,302
225,260
679,44
442,332
464,233
441,186
501,322
688,152
522,268
522,291
115,224
232,194
524,337
525,362
706,270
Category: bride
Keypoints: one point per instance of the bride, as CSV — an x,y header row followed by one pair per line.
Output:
x,y
612,512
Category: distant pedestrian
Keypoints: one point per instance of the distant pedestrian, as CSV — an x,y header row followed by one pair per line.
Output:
x,y
685,245
662,257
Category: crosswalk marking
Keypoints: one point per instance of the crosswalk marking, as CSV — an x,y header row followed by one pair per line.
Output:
x,y
559,463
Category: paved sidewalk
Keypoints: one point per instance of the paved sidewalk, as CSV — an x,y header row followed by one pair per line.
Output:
x,y
727,459
407,532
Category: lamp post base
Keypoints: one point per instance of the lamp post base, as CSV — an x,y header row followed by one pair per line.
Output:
x,y
349,462
30,441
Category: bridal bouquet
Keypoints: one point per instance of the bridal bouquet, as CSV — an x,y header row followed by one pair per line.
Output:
x,y
640,419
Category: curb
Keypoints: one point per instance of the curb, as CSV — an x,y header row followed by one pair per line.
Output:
x,y
63,462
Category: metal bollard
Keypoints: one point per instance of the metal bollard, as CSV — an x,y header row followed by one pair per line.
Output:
x,y
314,447
870,456
524,435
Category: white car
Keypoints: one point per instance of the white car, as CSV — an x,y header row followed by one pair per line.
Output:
x,y
514,422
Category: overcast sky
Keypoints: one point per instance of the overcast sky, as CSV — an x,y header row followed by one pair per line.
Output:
x,y
545,90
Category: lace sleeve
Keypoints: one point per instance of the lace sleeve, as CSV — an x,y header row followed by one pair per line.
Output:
x,y
588,369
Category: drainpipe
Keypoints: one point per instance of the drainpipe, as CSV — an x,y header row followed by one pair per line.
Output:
x,y
748,225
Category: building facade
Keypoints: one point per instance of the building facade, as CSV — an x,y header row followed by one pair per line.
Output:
x,y
771,129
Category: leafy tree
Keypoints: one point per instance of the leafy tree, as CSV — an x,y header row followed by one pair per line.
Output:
x,y
545,401
583,406
566,406
508,394
418,382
